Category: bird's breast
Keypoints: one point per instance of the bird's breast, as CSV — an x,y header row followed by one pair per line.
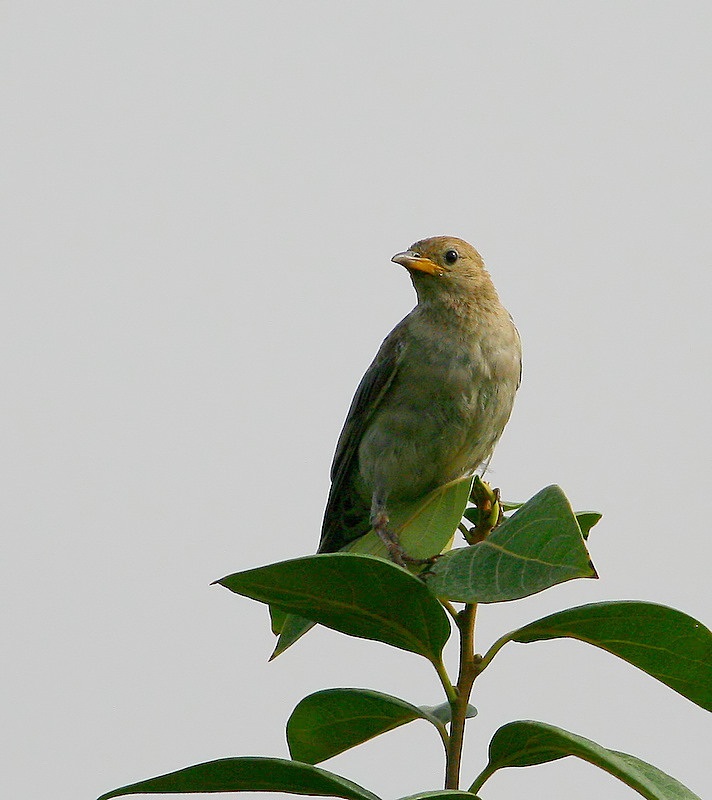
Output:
x,y
441,418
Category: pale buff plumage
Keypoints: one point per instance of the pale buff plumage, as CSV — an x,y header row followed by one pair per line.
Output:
x,y
435,400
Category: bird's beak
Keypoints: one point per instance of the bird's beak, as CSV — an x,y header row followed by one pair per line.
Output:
x,y
412,260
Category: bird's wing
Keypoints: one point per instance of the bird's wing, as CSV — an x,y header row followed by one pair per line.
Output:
x,y
336,530
374,385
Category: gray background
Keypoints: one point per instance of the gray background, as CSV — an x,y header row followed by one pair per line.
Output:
x,y
200,203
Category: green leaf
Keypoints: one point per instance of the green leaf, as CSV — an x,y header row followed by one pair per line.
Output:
x,y
472,514
293,628
443,712
424,528
665,643
356,594
586,521
509,506
525,743
441,794
277,619
326,723
538,547
249,774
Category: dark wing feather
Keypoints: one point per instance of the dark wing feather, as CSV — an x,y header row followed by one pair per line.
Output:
x,y
347,514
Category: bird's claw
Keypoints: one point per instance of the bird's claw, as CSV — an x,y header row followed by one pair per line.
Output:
x,y
397,553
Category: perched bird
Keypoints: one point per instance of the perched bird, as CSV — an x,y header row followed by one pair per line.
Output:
x,y
435,400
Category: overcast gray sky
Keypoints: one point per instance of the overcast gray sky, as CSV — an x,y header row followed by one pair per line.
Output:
x,y
200,201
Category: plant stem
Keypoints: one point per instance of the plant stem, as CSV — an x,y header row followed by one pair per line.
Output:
x,y
480,779
469,670
450,608
450,690
492,652
442,730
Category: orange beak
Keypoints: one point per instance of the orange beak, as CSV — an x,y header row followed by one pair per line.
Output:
x,y
412,260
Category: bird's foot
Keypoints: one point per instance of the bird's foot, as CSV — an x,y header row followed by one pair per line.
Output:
x,y
397,553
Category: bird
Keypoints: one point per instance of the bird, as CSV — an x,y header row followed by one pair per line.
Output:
x,y
433,403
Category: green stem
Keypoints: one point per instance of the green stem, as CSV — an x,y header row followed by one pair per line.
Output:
x,y
469,670
442,730
492,652
480,779
445,680
450,608
470,667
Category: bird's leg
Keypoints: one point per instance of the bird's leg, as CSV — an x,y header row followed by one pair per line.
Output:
x,y
390,539
379,523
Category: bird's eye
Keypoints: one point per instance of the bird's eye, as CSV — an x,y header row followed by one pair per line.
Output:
x,y
451,256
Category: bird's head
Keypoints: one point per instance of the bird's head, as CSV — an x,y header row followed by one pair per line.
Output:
x,y
440,256
445,265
